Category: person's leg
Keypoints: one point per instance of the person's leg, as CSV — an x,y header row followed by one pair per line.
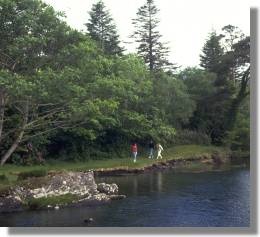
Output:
x,y
158,155
151,153
135,155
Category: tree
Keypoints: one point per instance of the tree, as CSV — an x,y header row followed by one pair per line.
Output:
x,y
26,108
102,29
213,60
241,59
47,101
230,36
31,35
212,53
172,99
234,73
238,138
200,86
226,55
146,34
38,91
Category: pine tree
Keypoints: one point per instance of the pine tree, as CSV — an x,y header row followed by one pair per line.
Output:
x,y
102,29
212,53
148,37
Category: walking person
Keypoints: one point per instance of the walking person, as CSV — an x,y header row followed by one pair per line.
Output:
x,y
159,151
151,149
134,151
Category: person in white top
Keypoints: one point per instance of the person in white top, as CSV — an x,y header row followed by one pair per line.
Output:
x,y
159,151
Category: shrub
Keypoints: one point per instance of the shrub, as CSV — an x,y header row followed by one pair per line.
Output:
x,y
3,177
185,137
17,159
238,139
32,173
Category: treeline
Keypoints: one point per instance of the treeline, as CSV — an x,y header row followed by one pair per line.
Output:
x,y
78,95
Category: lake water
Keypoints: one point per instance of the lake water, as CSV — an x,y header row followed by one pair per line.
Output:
x,y
169,198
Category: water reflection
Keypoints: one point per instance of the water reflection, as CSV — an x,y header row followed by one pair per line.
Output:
x,y
135,185
159,182
151,183
159,199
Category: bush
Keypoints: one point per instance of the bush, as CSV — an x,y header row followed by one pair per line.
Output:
x,y
92,153
238,139
186,137
17,159
26,159
32,173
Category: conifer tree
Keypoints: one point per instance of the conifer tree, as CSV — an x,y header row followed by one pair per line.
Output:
x,y
102,29
212,53
146,34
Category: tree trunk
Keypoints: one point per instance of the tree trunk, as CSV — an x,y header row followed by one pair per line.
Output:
x,y
13,147
2,111
242,94
151,60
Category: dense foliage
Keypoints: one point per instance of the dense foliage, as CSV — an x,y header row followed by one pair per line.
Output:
x,y
71,95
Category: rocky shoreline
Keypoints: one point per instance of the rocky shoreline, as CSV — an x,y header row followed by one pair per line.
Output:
x,y
60,189
209,159
80,188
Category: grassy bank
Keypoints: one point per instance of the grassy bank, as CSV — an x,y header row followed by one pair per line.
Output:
x,y
13,172
40,203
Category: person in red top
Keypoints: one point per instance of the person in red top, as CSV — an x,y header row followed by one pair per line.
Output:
x,y
134,151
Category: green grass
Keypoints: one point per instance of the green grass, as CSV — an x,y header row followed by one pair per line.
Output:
x,y
38,203
185,151
33,173
177,152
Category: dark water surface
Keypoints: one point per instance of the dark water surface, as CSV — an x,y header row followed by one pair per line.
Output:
x,y
216,199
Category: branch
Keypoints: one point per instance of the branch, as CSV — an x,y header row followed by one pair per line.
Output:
x,y
52,129
51,113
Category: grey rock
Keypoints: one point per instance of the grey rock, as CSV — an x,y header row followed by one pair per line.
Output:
x,y
10,204
117,197
107,188
79,183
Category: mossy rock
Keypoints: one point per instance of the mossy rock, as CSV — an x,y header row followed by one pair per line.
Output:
x,y
4,190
